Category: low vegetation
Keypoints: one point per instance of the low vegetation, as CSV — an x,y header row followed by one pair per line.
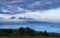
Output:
x,y
26,33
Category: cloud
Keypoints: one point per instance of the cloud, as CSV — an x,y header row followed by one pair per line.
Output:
x,y
5,16
26,19
21,6
38,10
51,15
44,5
10,1
38,3
13,17
47,15
11,10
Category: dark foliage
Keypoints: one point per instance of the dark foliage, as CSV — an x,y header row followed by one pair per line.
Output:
x,y
45,33
24,31
21,31
30,31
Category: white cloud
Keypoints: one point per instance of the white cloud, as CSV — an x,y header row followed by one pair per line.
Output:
x,y
5,16
12,10
52,15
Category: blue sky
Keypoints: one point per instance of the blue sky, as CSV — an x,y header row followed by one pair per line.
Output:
x,y
29,10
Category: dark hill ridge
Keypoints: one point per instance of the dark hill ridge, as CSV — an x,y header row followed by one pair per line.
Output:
x,y
26,32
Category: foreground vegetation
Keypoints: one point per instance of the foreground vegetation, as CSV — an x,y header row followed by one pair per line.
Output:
x,y
26,33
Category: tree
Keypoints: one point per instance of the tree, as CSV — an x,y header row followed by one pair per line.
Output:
x,y
45,33
22,31
30,31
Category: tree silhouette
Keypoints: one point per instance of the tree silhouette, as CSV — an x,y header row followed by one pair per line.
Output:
x,y
30,31
22,31
45,33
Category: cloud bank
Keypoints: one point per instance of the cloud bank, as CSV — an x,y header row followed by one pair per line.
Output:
x,y
52,15
19,6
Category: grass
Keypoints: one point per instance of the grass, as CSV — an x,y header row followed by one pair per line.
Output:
x,y
29,37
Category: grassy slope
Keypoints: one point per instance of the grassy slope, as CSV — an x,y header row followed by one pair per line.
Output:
x,y
29,37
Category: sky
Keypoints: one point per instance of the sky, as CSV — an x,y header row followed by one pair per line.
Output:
x,y
30,10
22,11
